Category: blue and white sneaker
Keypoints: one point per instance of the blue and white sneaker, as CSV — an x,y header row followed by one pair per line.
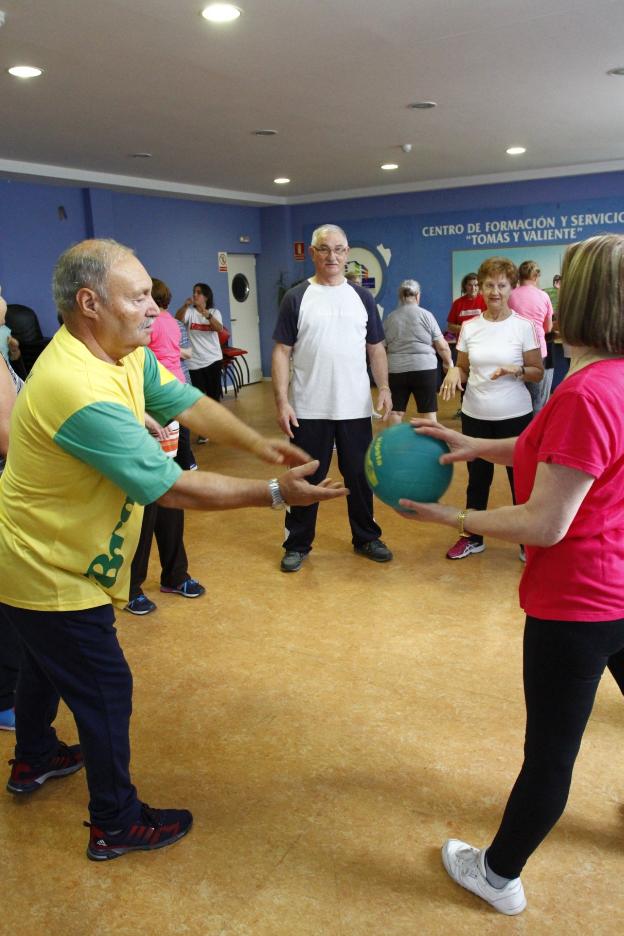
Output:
x,y
7,720
140,605
190,588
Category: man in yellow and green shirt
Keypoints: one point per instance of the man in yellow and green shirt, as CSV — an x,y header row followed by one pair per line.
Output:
x,y
81,465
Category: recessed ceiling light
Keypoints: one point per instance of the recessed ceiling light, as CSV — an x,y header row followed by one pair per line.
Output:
x,y
390,166
422,105
25,71
616,72
221,13
265,132
516,150
281,180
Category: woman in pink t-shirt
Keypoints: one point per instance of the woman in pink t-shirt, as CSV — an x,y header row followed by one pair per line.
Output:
x,y
569,470
534,304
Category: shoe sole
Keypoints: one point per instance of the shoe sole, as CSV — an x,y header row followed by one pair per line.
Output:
x,y
38,783
139,613
295,568
120,852
174,591
372,558
7,727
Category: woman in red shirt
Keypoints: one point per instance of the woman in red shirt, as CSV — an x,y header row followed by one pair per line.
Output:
x,y
569,471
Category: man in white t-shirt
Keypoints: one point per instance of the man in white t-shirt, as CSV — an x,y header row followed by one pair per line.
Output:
x,y
326,327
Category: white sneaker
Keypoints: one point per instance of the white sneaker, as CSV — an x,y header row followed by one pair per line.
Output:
x,y
466,865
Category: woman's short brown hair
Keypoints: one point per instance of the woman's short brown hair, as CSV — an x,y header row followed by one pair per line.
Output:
x,y
528,270
161,294
591,297
495,266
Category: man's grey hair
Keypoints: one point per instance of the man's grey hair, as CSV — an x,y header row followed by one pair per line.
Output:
x,y
408,287
85,265
317,235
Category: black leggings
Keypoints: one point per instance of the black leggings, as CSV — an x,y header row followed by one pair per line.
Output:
x,y
481,472
563,664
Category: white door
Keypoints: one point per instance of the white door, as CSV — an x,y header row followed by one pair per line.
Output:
x,y
244,316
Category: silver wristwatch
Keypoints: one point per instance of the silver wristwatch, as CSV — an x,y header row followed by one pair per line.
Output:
x,y
277,501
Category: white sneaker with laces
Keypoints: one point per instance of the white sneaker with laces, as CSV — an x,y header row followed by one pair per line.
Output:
x,y
466,865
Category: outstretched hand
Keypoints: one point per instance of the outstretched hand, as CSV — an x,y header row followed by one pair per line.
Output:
x,y
298,492
462,448
281,452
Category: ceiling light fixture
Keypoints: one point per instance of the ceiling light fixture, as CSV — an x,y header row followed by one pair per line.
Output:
x,y
388,167
221,13
140,155
516,150
265,132
281,180
25,71
616,72
422,105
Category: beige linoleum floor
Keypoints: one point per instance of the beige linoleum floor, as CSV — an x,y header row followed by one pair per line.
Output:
x,y
329,730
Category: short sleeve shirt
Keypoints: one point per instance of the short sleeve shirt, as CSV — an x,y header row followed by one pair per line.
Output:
x,y
80,465
205,344
490,345
410,332
581,578
328,328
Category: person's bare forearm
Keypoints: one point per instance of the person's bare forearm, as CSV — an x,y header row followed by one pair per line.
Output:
x,y
280,374
208,418
204,490
378,364
498,451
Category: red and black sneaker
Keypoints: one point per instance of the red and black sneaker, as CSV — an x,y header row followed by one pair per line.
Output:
x,y
26,778
156,828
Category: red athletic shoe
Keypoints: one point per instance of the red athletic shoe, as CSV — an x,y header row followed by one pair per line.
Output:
x,y
465,546
156,828
27,778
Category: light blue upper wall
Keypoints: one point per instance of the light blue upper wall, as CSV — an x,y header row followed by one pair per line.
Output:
x,y
32,235
177,240
275,266
398,222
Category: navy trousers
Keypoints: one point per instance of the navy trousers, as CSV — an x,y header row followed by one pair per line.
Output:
x,y
9,664
351,437
75,656
167,524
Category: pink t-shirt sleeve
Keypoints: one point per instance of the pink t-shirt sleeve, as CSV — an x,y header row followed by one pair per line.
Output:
x,y
577,435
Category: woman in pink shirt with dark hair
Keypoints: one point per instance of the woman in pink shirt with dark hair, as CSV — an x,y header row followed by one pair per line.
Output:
x,y
166,523
569,473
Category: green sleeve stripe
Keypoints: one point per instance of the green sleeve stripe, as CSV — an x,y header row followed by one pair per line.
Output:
x,y
108,437
165,396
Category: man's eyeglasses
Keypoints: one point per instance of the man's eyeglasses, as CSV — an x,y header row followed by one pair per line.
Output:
x,y
326,251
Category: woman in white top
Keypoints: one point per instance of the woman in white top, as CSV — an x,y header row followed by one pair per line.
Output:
x,y
204,324
412,338
497,354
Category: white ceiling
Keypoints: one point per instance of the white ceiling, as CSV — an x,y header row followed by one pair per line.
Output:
x,y
334,77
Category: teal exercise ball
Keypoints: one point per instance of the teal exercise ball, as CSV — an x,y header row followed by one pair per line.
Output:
x,y
401,463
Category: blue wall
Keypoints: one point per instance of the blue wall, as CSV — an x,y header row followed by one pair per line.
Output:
x,y
178,239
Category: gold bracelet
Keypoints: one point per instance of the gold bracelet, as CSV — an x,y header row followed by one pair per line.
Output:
x,y
385,387
460,519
